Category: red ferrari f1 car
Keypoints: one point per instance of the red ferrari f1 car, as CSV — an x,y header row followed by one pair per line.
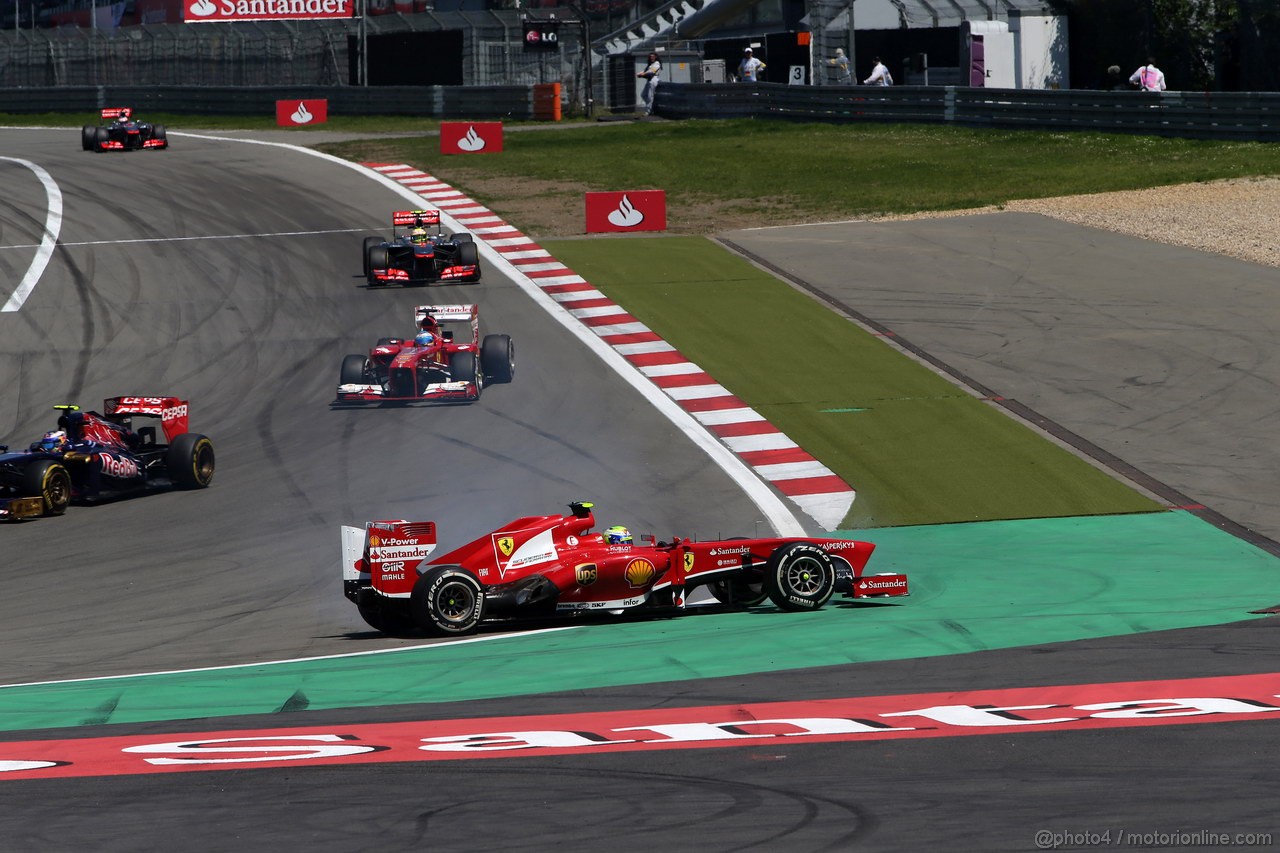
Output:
x,y
445,362
123,132
420,253
91,456
543,566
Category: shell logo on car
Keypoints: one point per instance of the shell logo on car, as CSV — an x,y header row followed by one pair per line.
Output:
x,y
639,573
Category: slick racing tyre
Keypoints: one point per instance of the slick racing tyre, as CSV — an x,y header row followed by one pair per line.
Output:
x,y
352,370
464,237
498,358
88,134
369,243
100,138
462,368
800,576
49,480
390,617
190,461
377,258
447,601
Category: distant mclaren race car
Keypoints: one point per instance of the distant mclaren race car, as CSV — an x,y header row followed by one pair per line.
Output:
x,y
91,456
419,252
545,566
445,362
120,131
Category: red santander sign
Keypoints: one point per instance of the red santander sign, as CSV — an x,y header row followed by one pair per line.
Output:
x,y
199,11
301,113
634,210
470,137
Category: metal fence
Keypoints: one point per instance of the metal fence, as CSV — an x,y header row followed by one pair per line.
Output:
x,y
1253,116
280,53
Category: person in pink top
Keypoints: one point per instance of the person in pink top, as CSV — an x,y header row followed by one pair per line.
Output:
x,y
1148,78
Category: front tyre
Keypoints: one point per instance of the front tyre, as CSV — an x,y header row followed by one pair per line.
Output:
x,y
190,461
352,370
447,601
462,368
88,135
50,481
800,576
498,358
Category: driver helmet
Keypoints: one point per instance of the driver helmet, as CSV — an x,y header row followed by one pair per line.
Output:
x,y
424,339
617,535
54,440
418,236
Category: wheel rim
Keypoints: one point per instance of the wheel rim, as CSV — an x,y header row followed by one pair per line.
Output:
x,y
204,463
57,489
805,576
455,602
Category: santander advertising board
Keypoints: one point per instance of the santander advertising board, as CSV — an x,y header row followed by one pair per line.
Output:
x,y
197,11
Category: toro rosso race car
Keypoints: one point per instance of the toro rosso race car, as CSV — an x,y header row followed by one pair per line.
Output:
x,y
445,362
544,566
122,133
91,456
419,252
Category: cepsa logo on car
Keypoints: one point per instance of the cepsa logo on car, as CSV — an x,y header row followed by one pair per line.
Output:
x,y
172,413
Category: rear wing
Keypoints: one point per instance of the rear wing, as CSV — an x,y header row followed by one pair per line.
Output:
x,y
386,555
415,217
451,314
117,112
171,411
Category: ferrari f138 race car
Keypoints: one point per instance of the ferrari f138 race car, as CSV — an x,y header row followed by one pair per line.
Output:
x,y
122,132
91,456
420,252
543,566
445,362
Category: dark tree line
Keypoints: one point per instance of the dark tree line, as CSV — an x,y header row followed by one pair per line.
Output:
x,y
1216,45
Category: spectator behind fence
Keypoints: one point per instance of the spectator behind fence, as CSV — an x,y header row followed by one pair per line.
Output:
x,y
650,75
1148,78
750,68
880,75
841,64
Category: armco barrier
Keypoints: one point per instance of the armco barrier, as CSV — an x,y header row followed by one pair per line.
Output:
x,y
1200,115
514,102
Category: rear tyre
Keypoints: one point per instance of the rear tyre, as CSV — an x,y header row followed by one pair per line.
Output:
x,y
369,243
447,601
390,617
739,591
88,134
50,481
190,461
800,576
352,370
498,358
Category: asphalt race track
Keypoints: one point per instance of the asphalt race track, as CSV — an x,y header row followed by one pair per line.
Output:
x,y
228,274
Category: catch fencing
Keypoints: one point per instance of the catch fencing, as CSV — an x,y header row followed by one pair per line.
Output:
x,y
1200,115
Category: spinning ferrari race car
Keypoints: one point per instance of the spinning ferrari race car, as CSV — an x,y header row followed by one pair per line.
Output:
x,y
419,252
543,566
445,362
91,456
123,133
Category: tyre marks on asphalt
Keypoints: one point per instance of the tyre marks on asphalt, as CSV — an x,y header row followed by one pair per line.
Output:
x,y
773,456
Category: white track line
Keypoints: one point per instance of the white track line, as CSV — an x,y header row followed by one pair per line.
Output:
x,y
52,227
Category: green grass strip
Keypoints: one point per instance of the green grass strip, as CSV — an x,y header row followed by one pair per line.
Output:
x,y
918,449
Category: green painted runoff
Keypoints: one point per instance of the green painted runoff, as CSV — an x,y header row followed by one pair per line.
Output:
x,y
974,587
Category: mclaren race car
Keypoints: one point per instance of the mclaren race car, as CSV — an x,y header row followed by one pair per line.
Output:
x,y
120,131
419,252
91,456
546,566
445,362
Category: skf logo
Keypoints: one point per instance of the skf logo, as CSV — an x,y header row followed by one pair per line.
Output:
x,y
639,573
586,574
634,210
506,545
688,562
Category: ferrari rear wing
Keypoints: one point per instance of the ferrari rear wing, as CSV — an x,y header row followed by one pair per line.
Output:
x,y
415,217
171,411
446,313
385,555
